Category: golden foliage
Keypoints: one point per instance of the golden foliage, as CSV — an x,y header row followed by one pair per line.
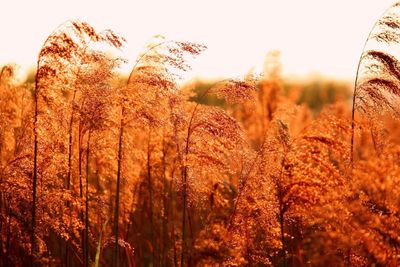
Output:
x,y
145,171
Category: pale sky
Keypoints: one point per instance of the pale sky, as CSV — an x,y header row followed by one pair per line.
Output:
x,y
314,36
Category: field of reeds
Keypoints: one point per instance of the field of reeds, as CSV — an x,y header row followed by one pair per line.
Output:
x,y
103,169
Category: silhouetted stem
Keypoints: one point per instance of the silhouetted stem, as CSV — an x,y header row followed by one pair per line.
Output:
x,y
87,202
71,120
116,215
81,184
150,188
165,204
34,180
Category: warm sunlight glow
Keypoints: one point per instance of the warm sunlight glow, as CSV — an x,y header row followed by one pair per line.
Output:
x,y
200,133
314,36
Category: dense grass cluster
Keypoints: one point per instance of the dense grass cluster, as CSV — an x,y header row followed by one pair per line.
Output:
x,y
101,170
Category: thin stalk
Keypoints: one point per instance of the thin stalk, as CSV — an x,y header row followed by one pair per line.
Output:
x,y
173,226
69,171
87,201
116,215
165,207
81,184
34,180
184,182
71,120
150,188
